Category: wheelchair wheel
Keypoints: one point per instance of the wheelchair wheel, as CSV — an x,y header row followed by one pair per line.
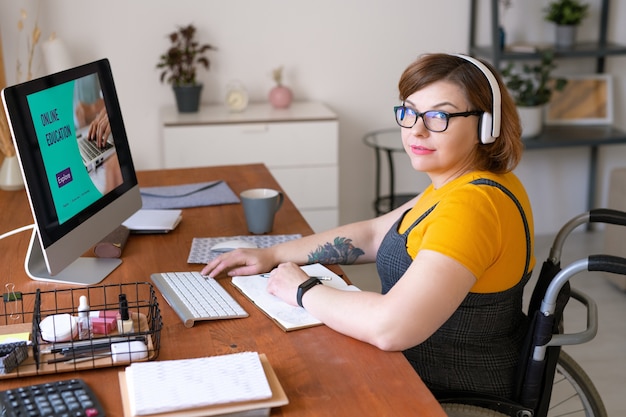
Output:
x,y
573,393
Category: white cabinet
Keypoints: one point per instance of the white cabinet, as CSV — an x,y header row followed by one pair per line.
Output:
x,y
299,145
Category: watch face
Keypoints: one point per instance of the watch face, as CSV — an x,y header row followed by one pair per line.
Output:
x,y
237,98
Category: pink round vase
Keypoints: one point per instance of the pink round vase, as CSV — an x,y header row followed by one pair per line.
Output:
x,y
280,97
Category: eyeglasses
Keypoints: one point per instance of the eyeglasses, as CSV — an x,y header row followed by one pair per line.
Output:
x,y
435,121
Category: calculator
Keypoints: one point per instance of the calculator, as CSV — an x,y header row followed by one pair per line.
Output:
x,y
72,397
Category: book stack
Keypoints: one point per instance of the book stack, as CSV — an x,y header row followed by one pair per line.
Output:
x,y
240,384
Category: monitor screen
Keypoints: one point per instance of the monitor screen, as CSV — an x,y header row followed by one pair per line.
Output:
x,y
77,168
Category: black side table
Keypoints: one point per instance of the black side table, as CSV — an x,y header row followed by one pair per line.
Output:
x,y
385,143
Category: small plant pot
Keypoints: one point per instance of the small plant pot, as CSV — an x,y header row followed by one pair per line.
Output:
x,y
531,119
187,97
565,36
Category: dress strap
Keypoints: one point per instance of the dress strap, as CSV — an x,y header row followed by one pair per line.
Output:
x,y
492,183
416,222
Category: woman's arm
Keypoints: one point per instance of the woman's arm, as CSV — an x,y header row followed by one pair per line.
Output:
x,y
428,293
353,243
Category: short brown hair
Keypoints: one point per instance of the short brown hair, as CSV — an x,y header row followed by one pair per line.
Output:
x,y
504,154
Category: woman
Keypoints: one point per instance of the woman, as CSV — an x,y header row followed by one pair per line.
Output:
x,y
453,261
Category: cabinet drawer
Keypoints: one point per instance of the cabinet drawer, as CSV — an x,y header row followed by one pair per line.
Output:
x,y
275,144
311,187
321,220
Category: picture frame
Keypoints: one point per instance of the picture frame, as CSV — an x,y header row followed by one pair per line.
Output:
x,y
585,100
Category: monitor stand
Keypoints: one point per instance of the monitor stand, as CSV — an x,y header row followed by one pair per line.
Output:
x,y
83,271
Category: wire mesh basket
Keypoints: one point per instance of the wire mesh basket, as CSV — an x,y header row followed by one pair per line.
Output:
x,y
49,321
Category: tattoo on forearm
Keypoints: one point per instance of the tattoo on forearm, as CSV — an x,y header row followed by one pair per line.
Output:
x,y
340,251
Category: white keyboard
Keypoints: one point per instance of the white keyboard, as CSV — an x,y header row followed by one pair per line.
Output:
x,y
195,297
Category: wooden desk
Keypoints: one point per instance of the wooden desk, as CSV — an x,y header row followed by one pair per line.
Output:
x,y
323,372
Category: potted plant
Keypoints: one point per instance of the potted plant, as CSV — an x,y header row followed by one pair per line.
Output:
x,y
179,66
567,15
531,87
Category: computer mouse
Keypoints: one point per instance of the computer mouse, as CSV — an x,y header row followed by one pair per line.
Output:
x,y
233,244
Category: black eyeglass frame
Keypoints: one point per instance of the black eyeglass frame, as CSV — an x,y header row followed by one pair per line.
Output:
x,y
448,116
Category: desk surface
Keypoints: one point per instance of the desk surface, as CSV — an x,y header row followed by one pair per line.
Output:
x,y
323,372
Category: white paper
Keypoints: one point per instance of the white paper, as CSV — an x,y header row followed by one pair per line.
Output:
x,y
290,317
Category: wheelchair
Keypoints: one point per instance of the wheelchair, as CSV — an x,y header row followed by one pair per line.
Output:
x,y
550,382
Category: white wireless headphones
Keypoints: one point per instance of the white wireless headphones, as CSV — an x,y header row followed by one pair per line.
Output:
x,y
489,127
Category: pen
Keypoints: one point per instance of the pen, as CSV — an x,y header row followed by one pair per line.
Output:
x,y
89,344
95,348
320,277
89,358
80,358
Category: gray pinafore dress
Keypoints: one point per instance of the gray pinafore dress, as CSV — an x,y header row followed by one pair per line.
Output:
x,y
478,347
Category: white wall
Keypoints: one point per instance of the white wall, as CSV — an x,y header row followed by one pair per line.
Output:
x,y
348,54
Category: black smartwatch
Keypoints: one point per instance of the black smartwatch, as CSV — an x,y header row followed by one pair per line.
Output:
x,y
304,287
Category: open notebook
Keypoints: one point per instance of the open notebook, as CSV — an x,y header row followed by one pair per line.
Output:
x,y
286,316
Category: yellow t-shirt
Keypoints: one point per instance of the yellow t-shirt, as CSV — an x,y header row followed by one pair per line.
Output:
x,y
479,226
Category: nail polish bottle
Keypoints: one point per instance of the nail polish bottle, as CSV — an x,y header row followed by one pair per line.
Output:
x,y
85,331
124,322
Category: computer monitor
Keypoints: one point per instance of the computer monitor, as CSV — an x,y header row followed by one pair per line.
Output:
x,y
76,200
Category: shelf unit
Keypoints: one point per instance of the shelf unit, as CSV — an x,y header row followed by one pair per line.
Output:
x,y
601,49
559,136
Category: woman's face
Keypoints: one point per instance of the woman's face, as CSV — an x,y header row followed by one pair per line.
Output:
x,y
445,155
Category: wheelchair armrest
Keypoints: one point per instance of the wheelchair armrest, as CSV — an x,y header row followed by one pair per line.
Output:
x,y
594,263
592,323
606,263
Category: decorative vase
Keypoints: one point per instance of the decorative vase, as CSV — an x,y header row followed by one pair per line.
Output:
x,y
531,119
280,97
10,174
187,97
565,36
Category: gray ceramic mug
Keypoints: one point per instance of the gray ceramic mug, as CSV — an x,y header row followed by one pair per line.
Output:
x,y
260,206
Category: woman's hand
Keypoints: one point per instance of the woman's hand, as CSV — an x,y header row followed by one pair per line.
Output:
x,y
240,262
100,129
284,282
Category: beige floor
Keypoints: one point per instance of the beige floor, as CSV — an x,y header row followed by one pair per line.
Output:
x,y
603,358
